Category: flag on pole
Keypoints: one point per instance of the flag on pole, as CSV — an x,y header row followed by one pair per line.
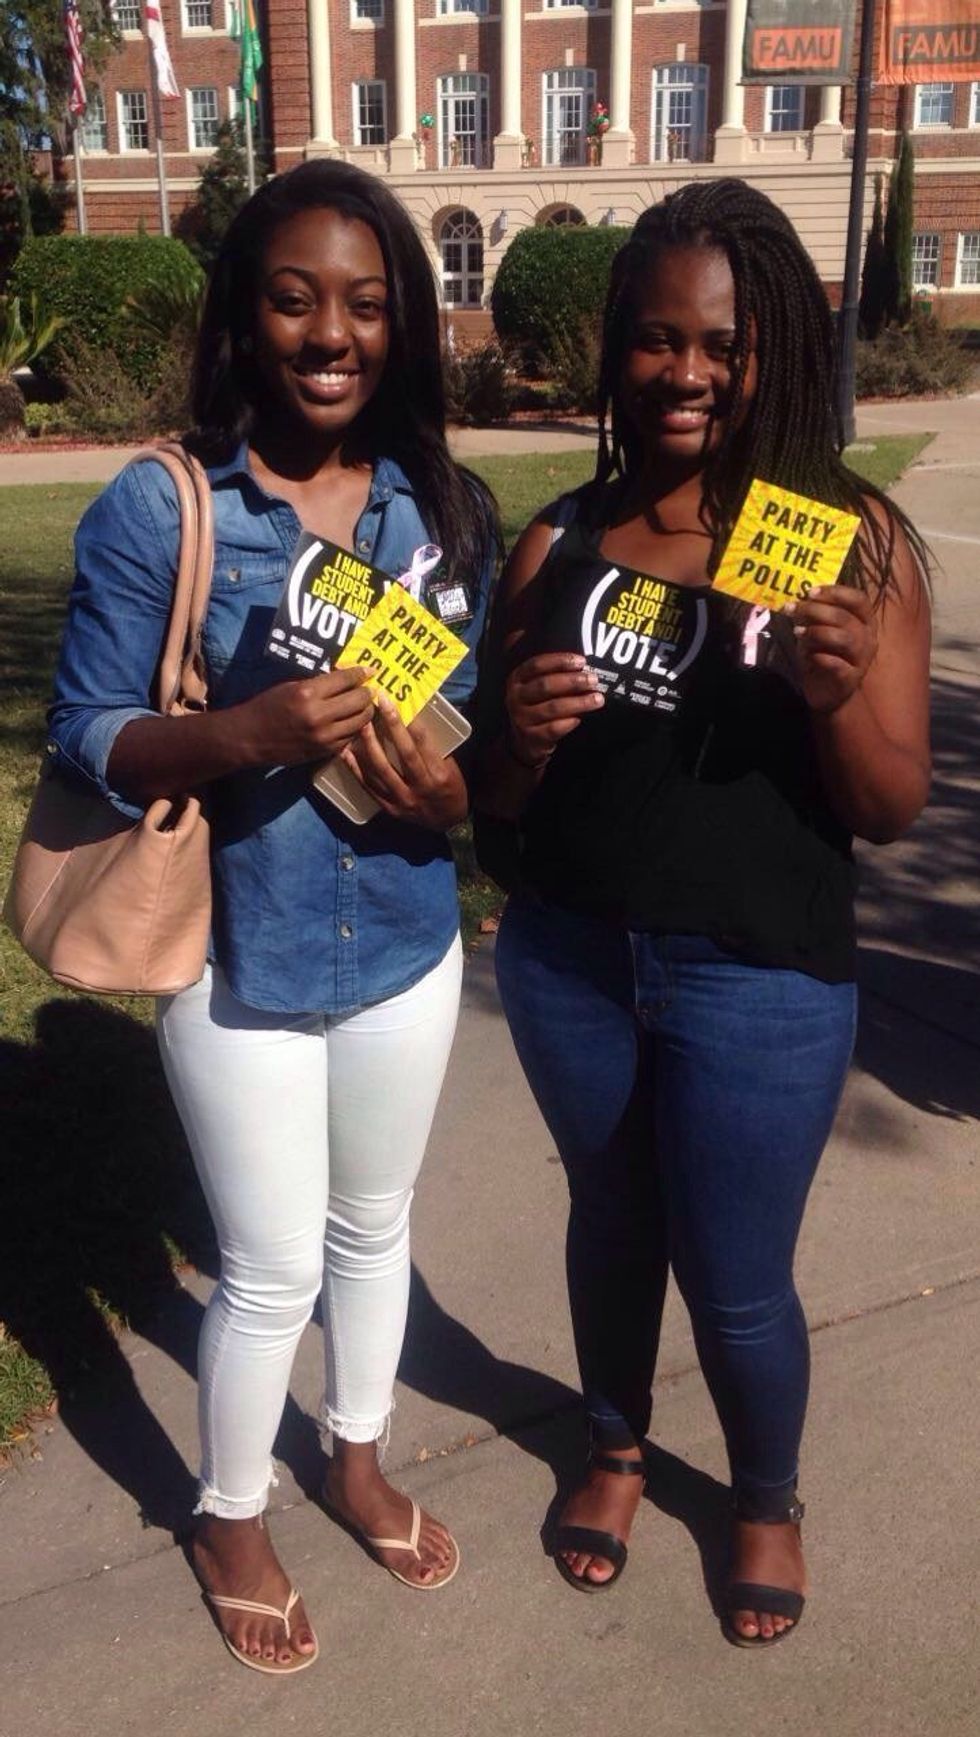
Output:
x,y
163,65
77,98
245,31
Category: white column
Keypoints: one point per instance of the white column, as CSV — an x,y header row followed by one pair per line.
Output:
x,y
617,146
321,95
731,139
827,143
401,152
508,142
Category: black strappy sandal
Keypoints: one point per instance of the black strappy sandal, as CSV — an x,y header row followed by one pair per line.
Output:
x,y
751,1595
589,1540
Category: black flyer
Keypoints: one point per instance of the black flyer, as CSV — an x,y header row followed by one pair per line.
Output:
x,y
328,593
640,634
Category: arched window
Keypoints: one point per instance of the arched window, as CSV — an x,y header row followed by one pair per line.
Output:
x,y
461,251
560,216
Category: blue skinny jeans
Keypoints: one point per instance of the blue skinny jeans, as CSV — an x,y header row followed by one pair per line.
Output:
x,y
690,1096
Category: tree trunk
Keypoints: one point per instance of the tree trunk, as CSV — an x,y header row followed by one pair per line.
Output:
x,y
12,425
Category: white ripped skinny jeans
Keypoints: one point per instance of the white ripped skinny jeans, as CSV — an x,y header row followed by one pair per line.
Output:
x,y
308,1132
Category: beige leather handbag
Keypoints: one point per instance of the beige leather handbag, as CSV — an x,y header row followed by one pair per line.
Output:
x,y
102,902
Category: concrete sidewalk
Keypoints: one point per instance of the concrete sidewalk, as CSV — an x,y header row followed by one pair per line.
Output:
x,y
101,463
102,1628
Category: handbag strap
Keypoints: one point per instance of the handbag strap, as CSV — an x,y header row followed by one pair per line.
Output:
x,y
181,678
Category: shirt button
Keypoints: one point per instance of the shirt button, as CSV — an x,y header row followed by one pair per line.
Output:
x,y
364,546
347,862
345,931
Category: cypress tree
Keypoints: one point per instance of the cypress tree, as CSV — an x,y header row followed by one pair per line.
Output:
x,y
874,289
898,235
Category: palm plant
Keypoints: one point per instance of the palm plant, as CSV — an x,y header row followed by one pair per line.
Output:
x,y
22,341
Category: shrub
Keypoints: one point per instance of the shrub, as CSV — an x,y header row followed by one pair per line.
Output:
x,y
88,279
479,385
24,336
906,361
42,420
104,402
549,281
575,368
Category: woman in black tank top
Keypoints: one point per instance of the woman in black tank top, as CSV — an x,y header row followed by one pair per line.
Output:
x,y
680,775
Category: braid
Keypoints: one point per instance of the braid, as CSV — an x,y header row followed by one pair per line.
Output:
x,y
793,436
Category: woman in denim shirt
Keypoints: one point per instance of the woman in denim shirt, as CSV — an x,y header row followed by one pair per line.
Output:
x,y
307,1063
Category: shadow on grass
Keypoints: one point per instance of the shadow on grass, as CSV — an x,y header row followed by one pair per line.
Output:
x,y
98,1193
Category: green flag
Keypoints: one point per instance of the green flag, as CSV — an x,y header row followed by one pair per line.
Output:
x,y
245,31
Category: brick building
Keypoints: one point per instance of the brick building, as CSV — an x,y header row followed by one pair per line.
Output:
x,y
509,87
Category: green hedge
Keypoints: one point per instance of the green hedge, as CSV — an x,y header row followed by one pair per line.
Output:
x,y
550,280
88,278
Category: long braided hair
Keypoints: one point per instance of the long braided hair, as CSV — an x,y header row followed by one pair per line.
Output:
x,y
792,435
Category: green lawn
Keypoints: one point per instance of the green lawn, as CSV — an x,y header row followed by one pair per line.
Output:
x,y
98,1195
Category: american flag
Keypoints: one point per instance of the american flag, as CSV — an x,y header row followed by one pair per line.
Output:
x,y
77,99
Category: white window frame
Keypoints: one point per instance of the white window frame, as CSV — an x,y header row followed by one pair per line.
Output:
x,y
946,91
973,113
356,88
772,113
190,90
559,5
935,258
100,118
471,236
125,148
217,27
565,81
467,87
475,8
366,21
968,235
669,78
133,29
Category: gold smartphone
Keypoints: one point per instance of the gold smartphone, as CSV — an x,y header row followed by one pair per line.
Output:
x,y
337,783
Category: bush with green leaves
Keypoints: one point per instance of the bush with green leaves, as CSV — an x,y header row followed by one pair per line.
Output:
x,y
25,333
551,281
89,279
479,384
907,361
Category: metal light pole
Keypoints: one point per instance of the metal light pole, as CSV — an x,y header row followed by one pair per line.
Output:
x,y
848,318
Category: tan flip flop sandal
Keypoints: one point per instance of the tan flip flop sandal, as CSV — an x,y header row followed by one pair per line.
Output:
x,y
299,1661
412,1544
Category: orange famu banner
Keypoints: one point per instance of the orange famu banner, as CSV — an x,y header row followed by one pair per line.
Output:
x,y
798,41
930,42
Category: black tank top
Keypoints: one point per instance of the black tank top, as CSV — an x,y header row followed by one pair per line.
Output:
x,y
707,820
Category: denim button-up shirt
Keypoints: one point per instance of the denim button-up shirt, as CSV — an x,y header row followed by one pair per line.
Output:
x,y
310,911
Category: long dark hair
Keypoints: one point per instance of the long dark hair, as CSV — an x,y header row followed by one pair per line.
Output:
x,y
792,435
406,418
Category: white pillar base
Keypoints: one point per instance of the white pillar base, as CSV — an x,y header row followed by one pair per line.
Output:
x,y
507,150
732,145
403,155
618,148
828,142
322,148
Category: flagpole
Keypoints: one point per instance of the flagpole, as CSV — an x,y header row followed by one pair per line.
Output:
x,y
249,147
847,319
158,130
76,144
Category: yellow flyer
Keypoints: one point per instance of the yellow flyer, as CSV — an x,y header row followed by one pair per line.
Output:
x,y
409,652
783,547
